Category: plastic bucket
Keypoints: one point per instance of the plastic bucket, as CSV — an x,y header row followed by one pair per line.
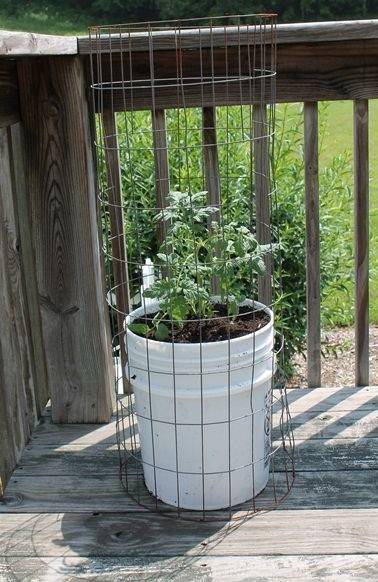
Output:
x,y
203,415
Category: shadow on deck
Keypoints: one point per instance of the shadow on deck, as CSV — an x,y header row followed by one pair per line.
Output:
x,y
66,516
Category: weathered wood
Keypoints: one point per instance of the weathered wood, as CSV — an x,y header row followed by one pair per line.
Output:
x,y
16,44
334,399
284,532
159,131
361,214
314,531
17,375
326,416
306,71
9,106
215,37
262,194
42,392
211,170
329,424
60,179
75,493
117,234
311,164
202,568
333,454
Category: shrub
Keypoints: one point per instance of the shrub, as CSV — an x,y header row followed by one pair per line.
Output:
x,y
288,211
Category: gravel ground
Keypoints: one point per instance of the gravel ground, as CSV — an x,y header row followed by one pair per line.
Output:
x,y
338,358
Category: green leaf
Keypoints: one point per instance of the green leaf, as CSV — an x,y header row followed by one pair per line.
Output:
x,y
139,328
162,332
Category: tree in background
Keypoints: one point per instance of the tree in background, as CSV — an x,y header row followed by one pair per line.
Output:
x,y
138,10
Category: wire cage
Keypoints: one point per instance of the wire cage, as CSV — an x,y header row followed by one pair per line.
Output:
x,y
185,151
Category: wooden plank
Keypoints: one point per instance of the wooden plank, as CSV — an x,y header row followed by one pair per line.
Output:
x,y
117,232
312,243
262,194
17,377
306,71
9,106
159,131
60,177
338,399
333,454
77,493
279,533
361,214
42,391
81,434
202,568
331,423
16,44
211,170
192,38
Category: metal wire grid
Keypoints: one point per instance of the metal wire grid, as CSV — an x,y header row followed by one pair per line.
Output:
x,y
219,106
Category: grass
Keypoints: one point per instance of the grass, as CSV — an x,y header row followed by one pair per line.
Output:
x,y
46,21
339,138
337,120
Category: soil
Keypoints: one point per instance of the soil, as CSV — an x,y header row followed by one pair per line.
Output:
x,y
220,327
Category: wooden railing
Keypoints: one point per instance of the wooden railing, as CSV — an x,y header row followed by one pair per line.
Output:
x,y
54,340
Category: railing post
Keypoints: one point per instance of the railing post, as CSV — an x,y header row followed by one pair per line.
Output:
x,y
61,191
261,168
117,232
312,243
211,168
18,379
361,216
159,130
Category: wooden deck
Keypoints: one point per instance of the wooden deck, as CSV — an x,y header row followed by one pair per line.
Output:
x,y
65,515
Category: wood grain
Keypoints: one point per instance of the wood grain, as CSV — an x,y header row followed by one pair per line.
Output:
x,y
361,217
117,233
17,374
331,398
211,170
262,194
311,164
60,178
42,389
9,105
305,532
326,529
193,38
159,131
306,71
16,44
334,454
77,493
186,568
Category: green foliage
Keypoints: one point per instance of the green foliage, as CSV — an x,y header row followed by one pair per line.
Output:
x,y
197,250
184,128
336,261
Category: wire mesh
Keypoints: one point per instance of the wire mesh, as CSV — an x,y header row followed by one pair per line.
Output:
x,y
185,150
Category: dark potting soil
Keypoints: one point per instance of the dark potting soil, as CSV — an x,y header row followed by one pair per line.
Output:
x,y
214,330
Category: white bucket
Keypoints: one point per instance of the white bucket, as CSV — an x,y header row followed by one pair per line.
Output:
x,y
213,455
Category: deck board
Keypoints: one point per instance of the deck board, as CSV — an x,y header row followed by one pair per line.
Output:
x,y
71,459
67,517
305,532
76,493
200,569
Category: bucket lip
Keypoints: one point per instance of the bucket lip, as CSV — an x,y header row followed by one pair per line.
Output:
x,y
259,332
